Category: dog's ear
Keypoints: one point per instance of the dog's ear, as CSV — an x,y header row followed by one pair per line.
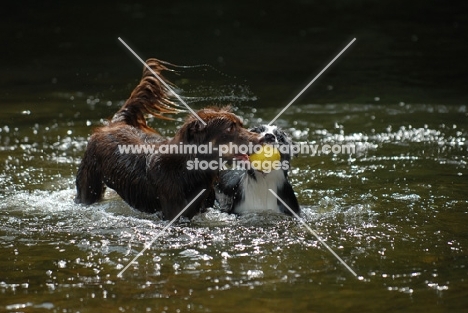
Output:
x,y
196,126
194,131
257,129
283,137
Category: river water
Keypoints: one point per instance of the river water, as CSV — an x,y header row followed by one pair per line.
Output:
x,y
395,209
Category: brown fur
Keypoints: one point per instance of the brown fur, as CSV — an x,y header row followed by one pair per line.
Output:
x,y
155,182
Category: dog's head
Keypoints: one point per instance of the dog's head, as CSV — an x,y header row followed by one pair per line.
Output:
x,y
222,127
275,136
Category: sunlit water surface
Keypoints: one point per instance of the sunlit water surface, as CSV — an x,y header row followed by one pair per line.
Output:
x,y
395,211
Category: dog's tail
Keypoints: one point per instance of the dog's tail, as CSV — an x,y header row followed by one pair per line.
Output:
x,y
151,96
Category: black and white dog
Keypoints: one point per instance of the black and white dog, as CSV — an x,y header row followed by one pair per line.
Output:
x,y
245,191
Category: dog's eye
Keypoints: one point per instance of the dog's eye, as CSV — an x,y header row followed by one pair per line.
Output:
x,y
230,128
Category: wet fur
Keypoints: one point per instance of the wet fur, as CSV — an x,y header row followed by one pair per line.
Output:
x,y
155,182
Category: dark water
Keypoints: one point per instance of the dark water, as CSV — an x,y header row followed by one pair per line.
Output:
x,y
396,211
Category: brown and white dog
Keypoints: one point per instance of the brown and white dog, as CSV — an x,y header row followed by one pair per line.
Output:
x,y
152,182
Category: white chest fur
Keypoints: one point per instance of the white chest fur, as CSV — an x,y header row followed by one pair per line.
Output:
x,y
257,197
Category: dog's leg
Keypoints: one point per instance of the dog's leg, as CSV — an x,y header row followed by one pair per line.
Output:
x,y
89,183
286,193
209,201
172,204
228,194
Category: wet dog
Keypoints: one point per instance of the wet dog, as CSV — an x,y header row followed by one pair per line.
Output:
x,y
154,181
243,191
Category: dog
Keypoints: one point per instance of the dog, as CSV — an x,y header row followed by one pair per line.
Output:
x,y
247,190
157,182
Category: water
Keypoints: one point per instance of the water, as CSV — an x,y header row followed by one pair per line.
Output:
x,y
395,211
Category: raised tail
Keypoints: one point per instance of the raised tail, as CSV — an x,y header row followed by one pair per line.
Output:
x,y
149,97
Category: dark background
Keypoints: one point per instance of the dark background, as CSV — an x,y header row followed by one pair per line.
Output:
x,y
406,51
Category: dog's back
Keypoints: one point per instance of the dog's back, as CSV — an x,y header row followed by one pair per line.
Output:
x,y
127,127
